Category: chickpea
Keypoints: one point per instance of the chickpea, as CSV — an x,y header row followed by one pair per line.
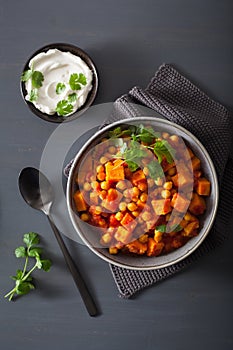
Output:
x,y
174,138
85,217
87,186
150,182
105,185
123,206
171,171
100,169
135,191
121,185
146,216
159,181
101,176
92,178
95,185
188,216
119,216
146,171
165,135
103,160
143,197
112,149
135,213
98,210
132,206
167,185
165,194
168,216
126,194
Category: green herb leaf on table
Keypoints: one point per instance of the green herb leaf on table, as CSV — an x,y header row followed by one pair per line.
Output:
x,y
77,79
23,279
64,108
20,252
60,88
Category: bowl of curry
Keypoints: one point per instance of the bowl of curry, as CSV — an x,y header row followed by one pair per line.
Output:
x,y
143,193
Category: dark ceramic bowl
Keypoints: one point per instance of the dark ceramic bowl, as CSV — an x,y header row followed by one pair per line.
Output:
x,y
91,96
89,234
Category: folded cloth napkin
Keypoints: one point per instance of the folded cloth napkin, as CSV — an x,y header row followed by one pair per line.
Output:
x,y
181,102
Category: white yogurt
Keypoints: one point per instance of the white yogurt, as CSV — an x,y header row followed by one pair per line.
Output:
x,y
57,67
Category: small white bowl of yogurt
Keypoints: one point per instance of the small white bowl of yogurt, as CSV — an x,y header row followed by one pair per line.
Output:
x,y
59,82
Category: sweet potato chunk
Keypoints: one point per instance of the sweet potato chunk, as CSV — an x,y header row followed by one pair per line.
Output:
x,y
179,203
114,172
196,163
122,235
203,187
161,206
197,205
128,222
137,177
190,230
154,248
79,201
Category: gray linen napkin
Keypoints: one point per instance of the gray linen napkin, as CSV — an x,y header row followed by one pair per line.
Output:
x,y
175,97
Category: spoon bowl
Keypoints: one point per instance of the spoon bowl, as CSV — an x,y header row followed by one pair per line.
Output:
x,y
36,189
37,192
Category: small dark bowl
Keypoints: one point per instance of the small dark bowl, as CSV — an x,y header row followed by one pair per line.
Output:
x,y
91,96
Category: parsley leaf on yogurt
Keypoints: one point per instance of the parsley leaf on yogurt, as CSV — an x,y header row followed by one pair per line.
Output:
x,y
26,75
64,108
60,88
77,79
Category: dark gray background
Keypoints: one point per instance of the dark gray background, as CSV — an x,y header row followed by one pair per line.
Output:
x,y
127,40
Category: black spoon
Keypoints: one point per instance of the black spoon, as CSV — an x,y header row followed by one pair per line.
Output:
x,y
37,192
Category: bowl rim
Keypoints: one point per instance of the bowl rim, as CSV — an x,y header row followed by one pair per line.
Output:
x,y
77,51
215,188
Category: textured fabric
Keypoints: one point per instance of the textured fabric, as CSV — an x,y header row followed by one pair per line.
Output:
x,y
176,98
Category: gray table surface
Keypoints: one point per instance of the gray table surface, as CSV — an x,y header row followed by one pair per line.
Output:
x,y
128,40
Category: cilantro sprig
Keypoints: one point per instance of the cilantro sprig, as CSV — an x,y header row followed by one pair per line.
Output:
x,y
23,279
142,139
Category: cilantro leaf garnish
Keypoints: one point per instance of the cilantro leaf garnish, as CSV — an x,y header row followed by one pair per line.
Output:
x,y
23,279
163,148
167,228
64,108
33,95
35,75
60,88
76,80
72,97
26,75
155,170
37,79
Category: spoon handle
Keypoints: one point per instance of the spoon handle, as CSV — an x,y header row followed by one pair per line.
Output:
x,y
87,298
